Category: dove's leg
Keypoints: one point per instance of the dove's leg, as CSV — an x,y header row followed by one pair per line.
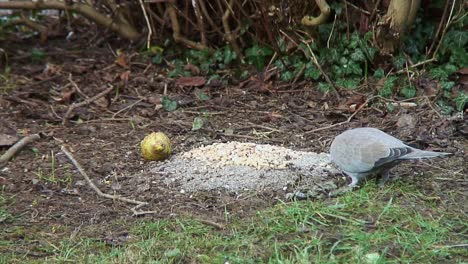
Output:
x,y
355,179
384,177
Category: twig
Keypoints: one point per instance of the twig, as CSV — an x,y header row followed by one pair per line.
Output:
x,y
374,10
449,20
357,8
85,102
211,223
452,246
127,107
94,187
148,24
439,28
138,213
432,107
341,123
16,148
317,64
331,32
199,18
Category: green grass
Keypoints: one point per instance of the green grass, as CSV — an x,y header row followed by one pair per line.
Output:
x,y
397,224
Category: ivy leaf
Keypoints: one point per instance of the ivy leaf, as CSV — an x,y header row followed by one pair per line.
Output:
x,y
408,91
348,83
379,73
287,76
358,55
438,73
169,104
202,96
324,87
399,62
461,100
198,123
311,72
37,54
389,84
157,59
257,56
444,107
447,85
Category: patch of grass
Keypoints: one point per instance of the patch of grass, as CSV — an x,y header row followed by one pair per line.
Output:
x,y
4,214
397,224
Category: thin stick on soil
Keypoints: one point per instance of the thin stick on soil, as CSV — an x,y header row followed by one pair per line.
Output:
x,y
317,64
94,187
85,102
341,123
11,152
211,223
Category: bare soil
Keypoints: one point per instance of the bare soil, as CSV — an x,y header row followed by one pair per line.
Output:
x,y
48,197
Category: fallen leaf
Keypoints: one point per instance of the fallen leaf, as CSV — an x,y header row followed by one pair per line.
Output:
x,y
124,78
122,60
51,70
195,81
194,70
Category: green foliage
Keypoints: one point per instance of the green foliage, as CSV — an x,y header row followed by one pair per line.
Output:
x,y
379,73
312,72
37,55
460,101
347,59
206,61
408,91
198,123
389,84
258,56
202,96
169,104
451,56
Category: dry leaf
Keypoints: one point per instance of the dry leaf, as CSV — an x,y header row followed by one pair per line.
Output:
x,y
122,60
191,81
124,77
194,70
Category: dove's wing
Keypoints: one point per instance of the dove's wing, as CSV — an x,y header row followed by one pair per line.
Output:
x,y
366,149
362,151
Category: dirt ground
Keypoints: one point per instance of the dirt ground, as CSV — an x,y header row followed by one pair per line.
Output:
x,y
44,191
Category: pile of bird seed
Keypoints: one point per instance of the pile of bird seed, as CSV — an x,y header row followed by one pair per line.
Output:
x,y
236,166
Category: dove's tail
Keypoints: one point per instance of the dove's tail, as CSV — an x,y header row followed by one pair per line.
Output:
x,y
423,154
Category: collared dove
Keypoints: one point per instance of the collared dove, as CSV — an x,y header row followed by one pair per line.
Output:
x,y
361,152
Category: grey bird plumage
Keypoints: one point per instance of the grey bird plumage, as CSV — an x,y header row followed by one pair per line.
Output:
x,y
362,152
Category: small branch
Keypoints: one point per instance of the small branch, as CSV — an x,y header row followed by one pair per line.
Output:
x,y
208,17
124,29
211,223
341,123
439,28
16,148
201,25
176,30
94,187
227,29
43,30
324,13
317,64
148,24
85,102
449,20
